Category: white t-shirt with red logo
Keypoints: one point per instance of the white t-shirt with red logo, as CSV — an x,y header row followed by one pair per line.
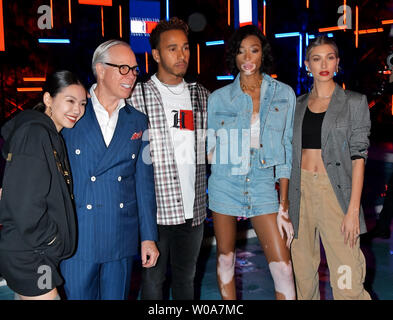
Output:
x,y
178,111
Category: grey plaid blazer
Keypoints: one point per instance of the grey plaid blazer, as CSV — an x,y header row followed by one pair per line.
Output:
x,y
170,210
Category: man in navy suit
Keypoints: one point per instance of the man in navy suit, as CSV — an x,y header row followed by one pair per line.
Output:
x,y
113,183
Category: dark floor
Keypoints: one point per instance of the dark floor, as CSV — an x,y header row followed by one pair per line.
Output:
x,y
253,278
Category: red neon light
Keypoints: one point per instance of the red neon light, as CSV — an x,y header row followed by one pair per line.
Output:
x,y
371,104
51,13
28,89
229,12
392,104
264,19
274,76
97,2
369,31
147,62
387,21
69,12
198,60
357,28
2,43
332,28
308,4
34,79
120,24
102,22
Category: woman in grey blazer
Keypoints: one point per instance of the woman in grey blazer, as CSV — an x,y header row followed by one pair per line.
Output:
x,y
330,141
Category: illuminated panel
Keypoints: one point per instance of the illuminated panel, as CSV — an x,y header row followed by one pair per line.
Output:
x,y
147,62
387,21
294,34
2,43
198,60
38,79
102,22
51,13
28,89
245,12
357,27
229,12
369,31
392,105
144,16
332,28
96,2
264,18
167,10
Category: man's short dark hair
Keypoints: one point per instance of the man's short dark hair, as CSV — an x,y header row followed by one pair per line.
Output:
x,y
173,24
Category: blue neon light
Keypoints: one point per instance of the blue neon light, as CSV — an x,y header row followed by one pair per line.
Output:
x,y
214,43
311,36
300,50
330,35
306,39
167,10
230,77
285,35
54,40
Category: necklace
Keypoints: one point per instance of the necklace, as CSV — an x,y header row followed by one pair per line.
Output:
x,y
321,97
245,87
168,86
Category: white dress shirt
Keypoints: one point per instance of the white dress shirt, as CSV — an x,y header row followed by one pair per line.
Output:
x,y
107,123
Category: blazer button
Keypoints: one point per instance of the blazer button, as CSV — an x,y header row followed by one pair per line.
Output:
x,y
338,163
119,178
121,205
339,186
89,207
93,178
261,145
248,179
133,156
77,151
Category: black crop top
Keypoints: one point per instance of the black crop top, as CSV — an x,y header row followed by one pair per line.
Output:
x,y
311,129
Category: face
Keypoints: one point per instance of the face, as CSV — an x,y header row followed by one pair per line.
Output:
x,y
113,83
172,55
249,58
67,107
322,62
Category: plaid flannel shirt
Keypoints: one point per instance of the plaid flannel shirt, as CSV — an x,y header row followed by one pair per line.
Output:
x,y
170,209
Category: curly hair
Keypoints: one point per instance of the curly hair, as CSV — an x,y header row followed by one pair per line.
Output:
x,y
234,44
173,24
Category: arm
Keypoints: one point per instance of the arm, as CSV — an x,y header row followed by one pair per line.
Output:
x,y
358,144
26,186
284,170
146,199
283,222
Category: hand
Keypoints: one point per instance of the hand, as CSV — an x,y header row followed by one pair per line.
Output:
x,y
285,224
1,191
350,227
149,253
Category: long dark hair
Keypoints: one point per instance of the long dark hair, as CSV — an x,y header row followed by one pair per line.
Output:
x,y
55,83
234,45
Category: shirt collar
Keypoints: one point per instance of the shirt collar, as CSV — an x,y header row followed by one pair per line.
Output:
x,y
96,103
237,91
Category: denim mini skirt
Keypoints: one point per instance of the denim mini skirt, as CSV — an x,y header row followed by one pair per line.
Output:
x,y
247,195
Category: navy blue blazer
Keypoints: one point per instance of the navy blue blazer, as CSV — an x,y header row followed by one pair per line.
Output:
x,y
113,186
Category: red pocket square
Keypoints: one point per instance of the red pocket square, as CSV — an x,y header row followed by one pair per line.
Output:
x,y
136,135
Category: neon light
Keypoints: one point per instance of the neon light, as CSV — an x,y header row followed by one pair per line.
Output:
x,y
51,13
286,35
147,62
311,36
167,10
97,2
53,40
198,60
330,35
102,21
308,4
369,31
300,50
214,43
332,28
274,76
28,89
245,12
392,115
120,24
27,79
2,43
343,85
69,12
229,12
387,21
357,27
225,77
345,13
307,37
264,18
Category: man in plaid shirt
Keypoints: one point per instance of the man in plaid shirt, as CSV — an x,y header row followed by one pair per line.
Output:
x,y
177,129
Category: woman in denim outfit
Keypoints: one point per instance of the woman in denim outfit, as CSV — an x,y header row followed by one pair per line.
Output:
x,y
249,146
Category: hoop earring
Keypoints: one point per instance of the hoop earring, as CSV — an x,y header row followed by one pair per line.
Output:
x,y
309,74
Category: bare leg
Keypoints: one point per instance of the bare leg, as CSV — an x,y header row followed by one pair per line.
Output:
x,y
277,255
51,295
225,232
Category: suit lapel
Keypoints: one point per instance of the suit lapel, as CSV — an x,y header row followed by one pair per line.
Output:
x,y
301,107
335,106
120,138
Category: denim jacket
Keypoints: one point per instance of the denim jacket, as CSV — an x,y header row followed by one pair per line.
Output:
x,y
229,119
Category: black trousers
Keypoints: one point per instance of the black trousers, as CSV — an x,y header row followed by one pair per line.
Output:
x,y
179,246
